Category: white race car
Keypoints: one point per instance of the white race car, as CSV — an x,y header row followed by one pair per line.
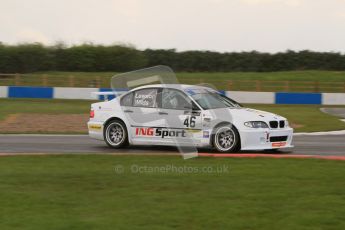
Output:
x,y
186,115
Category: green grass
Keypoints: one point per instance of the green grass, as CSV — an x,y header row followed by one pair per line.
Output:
x,y
271,76
85,192
56,106
295,81
309,117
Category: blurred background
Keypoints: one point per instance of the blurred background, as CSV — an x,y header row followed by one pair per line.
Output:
x,y
281,56
278,55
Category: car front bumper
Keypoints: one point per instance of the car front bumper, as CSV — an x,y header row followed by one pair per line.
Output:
x,y
259,139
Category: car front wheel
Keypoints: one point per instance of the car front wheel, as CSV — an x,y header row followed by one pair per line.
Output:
x,y
226,139
115,134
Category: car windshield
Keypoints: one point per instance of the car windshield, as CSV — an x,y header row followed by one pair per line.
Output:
x,y
212,100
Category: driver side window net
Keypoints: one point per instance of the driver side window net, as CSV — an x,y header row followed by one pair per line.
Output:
x,y
174,99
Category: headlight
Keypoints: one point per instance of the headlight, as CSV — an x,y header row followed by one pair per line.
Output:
x,y
287,124
256,124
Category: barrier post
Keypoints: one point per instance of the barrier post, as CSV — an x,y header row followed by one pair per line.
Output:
x,y
316,86
287,86
258,86
17,79
71,80
98,82
230,85
44,80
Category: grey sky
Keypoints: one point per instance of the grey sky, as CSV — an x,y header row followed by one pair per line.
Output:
x,y
219,25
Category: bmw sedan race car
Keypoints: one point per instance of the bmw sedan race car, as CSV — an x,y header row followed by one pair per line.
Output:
x,y
175,114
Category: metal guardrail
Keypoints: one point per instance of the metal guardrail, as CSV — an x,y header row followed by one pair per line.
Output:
x,y
230,85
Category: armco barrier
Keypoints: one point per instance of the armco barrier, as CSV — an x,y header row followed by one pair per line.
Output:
x,y
105,90
333,98
74,93
252,97
240,96
298,98
30,92
3,91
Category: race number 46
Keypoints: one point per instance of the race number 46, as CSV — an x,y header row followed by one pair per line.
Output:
x,y
189,121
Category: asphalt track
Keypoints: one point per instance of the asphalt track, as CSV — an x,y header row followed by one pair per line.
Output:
x,y
318,145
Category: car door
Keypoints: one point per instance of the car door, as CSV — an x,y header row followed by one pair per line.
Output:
x,y
141,110
182,116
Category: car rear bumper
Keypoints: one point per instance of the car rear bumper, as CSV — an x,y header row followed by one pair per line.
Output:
x,y
95,129
266,139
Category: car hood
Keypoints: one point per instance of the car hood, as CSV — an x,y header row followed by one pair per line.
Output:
x,y
244,114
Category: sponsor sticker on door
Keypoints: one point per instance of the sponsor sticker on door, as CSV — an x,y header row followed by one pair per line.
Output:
x,y
160,132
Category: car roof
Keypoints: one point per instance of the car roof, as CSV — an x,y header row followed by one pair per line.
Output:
x,y
172,86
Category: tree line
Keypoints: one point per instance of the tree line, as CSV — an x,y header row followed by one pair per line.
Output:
x,y
26,58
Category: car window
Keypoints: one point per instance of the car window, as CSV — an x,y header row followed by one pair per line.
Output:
x,y
175,99
127,100
145,98
214,101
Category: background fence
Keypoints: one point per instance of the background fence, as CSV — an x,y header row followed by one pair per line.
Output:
x,y
91,81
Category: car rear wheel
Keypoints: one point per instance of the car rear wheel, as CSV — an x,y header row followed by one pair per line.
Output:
x,y
115,134
226,139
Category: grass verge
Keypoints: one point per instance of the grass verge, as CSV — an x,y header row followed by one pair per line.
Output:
x,y
86,192
46,106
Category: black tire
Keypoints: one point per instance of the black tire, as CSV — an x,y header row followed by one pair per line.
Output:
x,y
115,134
226,139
